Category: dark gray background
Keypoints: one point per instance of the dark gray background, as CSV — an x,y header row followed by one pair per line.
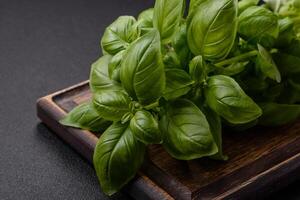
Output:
x,y
45,46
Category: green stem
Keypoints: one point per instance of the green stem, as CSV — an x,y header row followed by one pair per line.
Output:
x,y
237,58
151,106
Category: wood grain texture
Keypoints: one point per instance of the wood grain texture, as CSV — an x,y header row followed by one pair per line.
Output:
x,y
261,160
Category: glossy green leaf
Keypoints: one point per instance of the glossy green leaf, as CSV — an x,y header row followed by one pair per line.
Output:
x,y
86,117
117,157
211,30
233,69
145,20
225,96
286,33
198,69
114,66
119,34
111,105
258,25
178,83
278,114
99,78
172,60
142,70
166,18
266,64
244,4
186,131
145,128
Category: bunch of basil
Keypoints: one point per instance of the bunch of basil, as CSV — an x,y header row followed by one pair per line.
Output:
x,y
174,79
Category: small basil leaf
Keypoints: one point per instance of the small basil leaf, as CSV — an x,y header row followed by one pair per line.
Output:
x,y
278,114
186,131
117,157
225,96
145,20
142,71
115,66
111,105
171,60
85,117
244,4
99,78
266,64
233,69
119,34
166,18
286,33
258,25
211,30
197,69
215,125
145,128
178,83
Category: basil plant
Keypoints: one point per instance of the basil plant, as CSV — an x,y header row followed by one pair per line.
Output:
x,y
175,76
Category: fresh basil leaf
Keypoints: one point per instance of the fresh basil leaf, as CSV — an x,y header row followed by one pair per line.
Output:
x,y
233,69
244,4
197,69
115,66
145,20
142,71
117,157
119,34
145,128
111,105
99,78
278,114
211,30
86,117
225,96
215,126
194,5
178,83
286,33
266,65
287,63
258,25
166,18
171,60
186,131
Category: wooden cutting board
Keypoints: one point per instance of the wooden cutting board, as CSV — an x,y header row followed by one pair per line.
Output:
x,y
260,161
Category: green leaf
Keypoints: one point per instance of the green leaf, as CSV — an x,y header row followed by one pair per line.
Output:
x,y
211,30
145,128
266,65
197,69
119,34
111,105
287,63
244,4
233,69
85,117
286,33
117,157
178,83
194,5
145,20
258,25
166,18
172,60
186,131
142,70
114,66
225,96
215,125
99,78
278,114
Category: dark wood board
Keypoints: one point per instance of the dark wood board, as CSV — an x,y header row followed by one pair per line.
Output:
x,y
261,160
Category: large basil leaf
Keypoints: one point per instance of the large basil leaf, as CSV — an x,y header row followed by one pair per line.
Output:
x,y
193,5
225,96
215,126
212,28
258,25
111,105
278,114
244,4
142,70
178,83
99,78
117,157
166,17
119,34
266,65
145,20
186,131
197,69
85,117
114,66
145,128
